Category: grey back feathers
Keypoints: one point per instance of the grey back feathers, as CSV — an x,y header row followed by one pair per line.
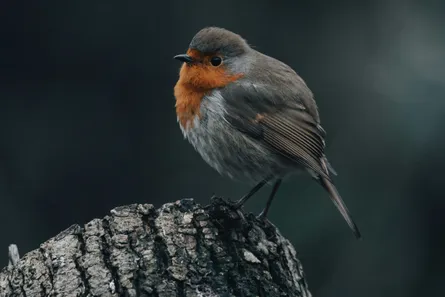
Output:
x,y
281,79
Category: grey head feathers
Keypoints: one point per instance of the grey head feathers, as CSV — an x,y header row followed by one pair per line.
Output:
x,y
214,39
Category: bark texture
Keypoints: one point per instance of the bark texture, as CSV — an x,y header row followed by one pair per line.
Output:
x,y
179,250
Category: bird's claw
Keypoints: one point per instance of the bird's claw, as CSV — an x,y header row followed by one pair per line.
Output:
x,y
262,217
238,204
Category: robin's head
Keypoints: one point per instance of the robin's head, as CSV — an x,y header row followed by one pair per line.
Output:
x,y
215,57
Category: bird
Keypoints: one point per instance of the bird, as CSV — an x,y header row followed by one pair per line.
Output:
x,y
251,117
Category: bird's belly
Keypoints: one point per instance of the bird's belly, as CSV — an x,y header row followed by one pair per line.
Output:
x,y
231,152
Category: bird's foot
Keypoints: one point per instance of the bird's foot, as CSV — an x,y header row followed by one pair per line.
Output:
x,y
234,205
262,217
239,203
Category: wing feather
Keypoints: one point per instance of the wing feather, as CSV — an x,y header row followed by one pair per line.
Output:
x,y
296,131
284,125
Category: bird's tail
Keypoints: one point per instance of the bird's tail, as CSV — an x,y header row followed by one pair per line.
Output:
x,y
338,201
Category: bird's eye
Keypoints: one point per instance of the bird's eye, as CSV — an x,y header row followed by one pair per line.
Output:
x,y
216,61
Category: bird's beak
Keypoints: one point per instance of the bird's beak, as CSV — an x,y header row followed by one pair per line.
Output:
x,y
183,58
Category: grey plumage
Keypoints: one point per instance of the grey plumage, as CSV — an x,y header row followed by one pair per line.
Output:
x,y
227,43
264,124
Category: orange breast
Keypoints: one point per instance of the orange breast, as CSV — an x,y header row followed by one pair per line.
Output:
x,y
196,81
188,103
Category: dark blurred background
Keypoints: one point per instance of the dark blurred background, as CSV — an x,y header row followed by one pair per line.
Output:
x,y
87,123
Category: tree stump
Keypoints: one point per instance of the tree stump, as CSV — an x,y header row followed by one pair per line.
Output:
x,y
181,249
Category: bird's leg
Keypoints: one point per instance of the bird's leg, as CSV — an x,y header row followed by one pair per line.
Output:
x,y
263,214
246,197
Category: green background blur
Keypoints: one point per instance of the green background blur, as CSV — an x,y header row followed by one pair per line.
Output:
x,y
87,123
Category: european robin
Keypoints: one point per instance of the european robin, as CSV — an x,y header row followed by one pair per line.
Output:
x,y
250,116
